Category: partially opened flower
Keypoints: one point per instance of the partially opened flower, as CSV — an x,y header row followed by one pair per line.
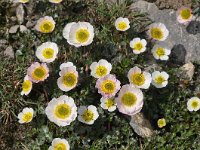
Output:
x,y
79,34
88,114
67,64
100,69
108,86
184,15
38,72
47,52
26,115
68,78
138,45
139,78
161,122
45,24
193,104
161,52
59,144
158,31
62,111
108,103
26,86
160,79
55,1
122,24
129,100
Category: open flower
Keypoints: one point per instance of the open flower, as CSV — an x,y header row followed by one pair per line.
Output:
x,y
108,103
59,144
79,34
26,86
55,1
45,24
47,52
138,45
160,79
193,104
161,122
38,72
26,115
184,15
68,77
161,52
62,111
108,86
138,78
122,24
158,31
129,100
21,1
88,114
100,69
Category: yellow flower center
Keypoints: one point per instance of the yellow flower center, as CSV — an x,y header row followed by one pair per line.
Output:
x,y
46,26
62,111
24,1
57,1
156,33
195,104
82,35
122,25
110,102
138,46
161,123
101,71
160,79
88,116
138,79
27,117
60,146
160,51
108,86
48,53
185,14
129,99
39,73
70,79
26,86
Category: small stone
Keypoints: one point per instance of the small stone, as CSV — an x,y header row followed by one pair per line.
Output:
x,y
178,54
20,13
193,27
141,125
9,52
187,71
14,29
23,28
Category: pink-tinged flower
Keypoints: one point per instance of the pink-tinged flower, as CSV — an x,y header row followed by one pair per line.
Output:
x,y
129,100
108,86
184,15
68,78
38,72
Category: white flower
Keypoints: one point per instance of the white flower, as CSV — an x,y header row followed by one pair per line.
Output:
x,y
161,52
158,31
129,100
68,77
26,115
21,1
47,52
138,45
122,24
138,78
59,144
55,1
62,111
100,69
193,104
88,114
26,86
108,103
160,79
184,15
79,34
45,24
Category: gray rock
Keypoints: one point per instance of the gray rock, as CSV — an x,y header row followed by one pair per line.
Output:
x,y
193,27
20,13
178,33
9,52
187,71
